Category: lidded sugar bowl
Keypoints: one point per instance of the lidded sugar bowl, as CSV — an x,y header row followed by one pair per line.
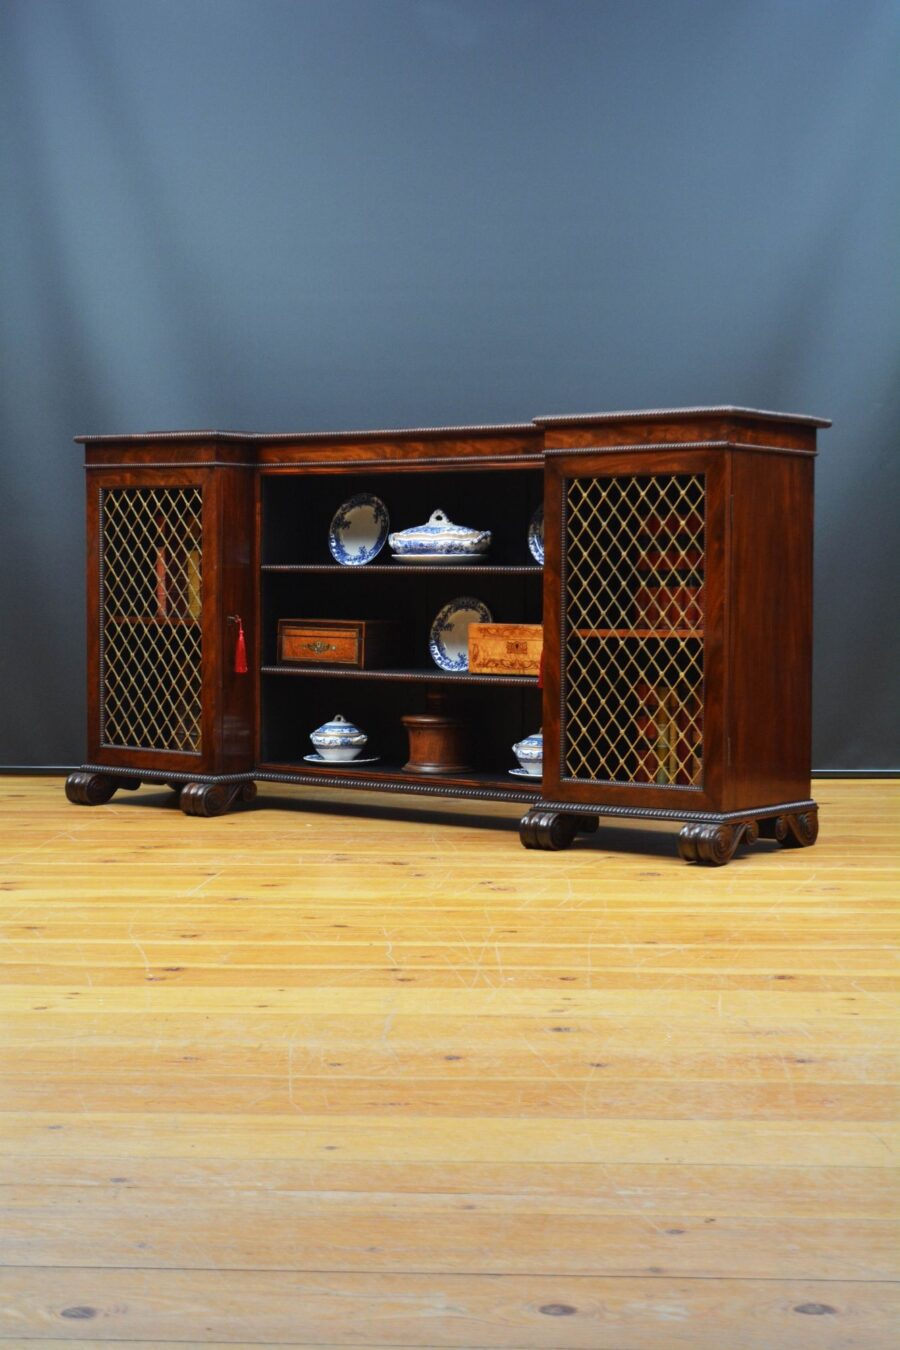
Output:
x,y
530,754
338,739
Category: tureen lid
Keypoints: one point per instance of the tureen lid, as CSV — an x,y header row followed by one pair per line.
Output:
x,y
438,526
533,742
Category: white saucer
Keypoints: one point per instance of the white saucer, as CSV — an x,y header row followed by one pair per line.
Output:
x,y
316,758
523,773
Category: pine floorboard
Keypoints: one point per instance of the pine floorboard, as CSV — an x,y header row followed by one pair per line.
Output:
x,y
359,1073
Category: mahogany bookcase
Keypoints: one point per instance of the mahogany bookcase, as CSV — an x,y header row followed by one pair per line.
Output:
x,y
675,597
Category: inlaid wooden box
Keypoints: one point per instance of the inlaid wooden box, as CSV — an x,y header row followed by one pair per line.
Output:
x,y
364,644
505,648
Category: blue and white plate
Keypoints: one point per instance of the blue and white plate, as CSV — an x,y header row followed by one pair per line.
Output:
x,y
448,640
525,773
536,535
358,530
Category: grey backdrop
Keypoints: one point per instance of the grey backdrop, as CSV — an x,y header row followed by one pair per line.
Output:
x,y
278,214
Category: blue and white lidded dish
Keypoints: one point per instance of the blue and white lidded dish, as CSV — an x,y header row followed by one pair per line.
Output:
x,y
338,739
440,537
530,753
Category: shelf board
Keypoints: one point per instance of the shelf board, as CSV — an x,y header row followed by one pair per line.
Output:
x,y
424,676
391,774
413,569
641,633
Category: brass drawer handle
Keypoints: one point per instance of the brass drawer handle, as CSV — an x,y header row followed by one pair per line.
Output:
x,y
319,647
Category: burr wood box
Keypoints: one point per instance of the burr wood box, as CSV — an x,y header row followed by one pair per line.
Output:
x,y
505,648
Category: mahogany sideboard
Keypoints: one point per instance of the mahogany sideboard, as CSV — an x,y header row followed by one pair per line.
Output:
x,y
675,598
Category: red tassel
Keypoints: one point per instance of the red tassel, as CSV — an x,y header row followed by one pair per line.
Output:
x,y
240,651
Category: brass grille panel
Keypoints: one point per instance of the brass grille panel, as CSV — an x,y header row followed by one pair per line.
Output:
x,y
633,693
152,580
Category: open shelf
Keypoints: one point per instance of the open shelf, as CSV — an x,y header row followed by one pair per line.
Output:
x,y
297,510
431,676
413,569
299,577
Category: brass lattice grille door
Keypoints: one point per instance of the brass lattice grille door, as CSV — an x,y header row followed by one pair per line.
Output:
x,y
633,629
151,595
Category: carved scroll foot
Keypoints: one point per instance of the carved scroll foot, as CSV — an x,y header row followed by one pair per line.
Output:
x,y
552,830
797,830
214,799
93,789
715,845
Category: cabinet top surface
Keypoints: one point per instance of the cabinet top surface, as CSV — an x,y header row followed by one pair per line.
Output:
x,y
261,437
500,428
660,414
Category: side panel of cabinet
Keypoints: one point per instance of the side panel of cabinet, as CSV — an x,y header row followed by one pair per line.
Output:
x,y
635,594
168,553
770,639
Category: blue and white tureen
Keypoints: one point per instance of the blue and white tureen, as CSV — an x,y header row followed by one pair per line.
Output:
x,y
338,739
530,754
439,540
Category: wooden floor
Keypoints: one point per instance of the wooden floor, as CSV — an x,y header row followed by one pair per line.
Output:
x,y
357,1073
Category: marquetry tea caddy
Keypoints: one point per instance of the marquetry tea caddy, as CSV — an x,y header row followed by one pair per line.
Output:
x,y
675,598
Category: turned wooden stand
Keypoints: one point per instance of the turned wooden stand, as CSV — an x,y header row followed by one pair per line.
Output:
x,y
675,599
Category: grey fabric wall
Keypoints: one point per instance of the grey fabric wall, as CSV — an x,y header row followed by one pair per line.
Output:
x,y
281,214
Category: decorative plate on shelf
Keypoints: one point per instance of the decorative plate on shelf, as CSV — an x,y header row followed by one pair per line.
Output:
x,y
536,535
519,773
341,763
358,530
448,640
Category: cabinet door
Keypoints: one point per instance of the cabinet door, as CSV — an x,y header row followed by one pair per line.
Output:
x,y
146,598
634,620
168,561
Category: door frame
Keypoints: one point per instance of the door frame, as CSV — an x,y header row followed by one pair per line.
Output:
x,y
652,459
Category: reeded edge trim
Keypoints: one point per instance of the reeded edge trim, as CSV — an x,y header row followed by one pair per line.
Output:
x,y
268,437
166,775
642,447
319,669
535,457
417,569
106,465
134,436
475,794
726,410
